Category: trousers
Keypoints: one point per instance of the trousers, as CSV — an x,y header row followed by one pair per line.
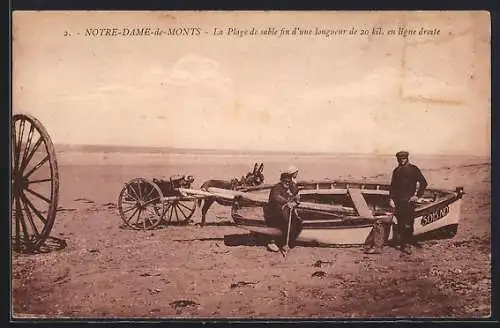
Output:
x,y
280,221
404,228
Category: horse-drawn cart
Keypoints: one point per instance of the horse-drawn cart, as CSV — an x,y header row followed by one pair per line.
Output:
x,y
144,204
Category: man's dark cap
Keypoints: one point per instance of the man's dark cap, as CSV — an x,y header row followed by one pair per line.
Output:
x,y
402,154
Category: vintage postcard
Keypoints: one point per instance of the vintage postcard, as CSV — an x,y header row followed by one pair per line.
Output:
x,y
236,165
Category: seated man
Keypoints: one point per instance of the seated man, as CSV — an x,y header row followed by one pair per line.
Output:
x,y
283,198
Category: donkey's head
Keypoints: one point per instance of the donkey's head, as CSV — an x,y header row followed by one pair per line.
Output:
x,y
256,177
236,184
186,181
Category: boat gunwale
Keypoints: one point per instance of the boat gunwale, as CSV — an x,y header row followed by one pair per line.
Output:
x,y
348,183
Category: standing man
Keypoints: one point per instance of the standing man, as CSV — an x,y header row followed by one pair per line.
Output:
x,y
403,194
283,198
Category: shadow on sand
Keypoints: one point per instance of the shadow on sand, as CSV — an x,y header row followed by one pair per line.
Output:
x,y
251,239
51,244
165,225
217,224
262,240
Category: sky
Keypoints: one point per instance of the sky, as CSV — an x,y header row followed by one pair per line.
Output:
x,y
429,94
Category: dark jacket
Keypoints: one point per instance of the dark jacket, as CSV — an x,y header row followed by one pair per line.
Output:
x,y
278,196
404,182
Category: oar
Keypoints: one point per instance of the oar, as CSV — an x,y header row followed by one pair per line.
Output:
x,y
285,247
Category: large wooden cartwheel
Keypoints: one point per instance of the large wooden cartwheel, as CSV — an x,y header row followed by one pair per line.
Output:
x,y
35,183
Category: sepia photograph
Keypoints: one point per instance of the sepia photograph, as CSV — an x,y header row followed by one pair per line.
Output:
x,y
209,165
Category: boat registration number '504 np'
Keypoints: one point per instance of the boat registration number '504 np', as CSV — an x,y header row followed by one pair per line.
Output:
x,y
434,216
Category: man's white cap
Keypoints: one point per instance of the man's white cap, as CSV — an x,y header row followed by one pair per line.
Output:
x,y
291,170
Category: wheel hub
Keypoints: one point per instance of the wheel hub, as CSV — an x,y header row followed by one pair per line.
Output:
x,y
19,183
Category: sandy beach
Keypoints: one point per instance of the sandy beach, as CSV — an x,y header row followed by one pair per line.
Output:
x,y
105,270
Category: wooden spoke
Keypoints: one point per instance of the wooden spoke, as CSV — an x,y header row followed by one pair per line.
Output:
x,y
132,215
24,229
138,216
27,147
19,142
148,216
176,214
30,156
130,208
164,210
180,210
152,201
136,197
37,166
127,196
171,212
33,208
139,188
152,217
38,195
15,155
181,204
128,201
40,181
190,206
31,222
18,218
149,193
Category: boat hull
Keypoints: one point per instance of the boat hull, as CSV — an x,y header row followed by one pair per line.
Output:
x,y
328,236
444,227
434,220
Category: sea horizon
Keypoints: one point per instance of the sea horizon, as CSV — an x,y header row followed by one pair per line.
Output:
x,y
151,150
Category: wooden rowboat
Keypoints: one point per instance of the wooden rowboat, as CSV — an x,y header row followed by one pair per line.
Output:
x,y
343,212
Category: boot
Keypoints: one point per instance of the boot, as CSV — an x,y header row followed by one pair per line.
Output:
x,y
406,249
272,247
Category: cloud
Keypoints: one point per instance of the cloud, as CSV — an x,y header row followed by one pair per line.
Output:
x,y
444,75
377,83
194,70
432,88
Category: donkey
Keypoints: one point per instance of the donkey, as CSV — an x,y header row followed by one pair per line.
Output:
x,y
254,178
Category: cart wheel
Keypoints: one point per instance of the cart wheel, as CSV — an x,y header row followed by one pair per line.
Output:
x,y
140,204
35,183
179,210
